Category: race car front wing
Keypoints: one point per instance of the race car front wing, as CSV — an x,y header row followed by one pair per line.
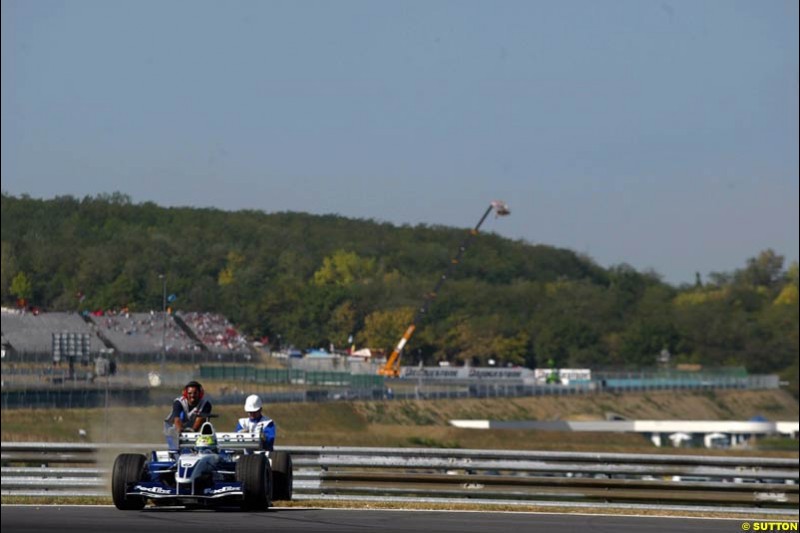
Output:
x,y
157,490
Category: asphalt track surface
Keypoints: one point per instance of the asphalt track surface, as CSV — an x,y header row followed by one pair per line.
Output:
x,y
103,519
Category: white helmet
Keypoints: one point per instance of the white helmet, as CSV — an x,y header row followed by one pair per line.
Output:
x,y
252,403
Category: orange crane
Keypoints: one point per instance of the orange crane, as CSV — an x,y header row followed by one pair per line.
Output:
x,y
392,366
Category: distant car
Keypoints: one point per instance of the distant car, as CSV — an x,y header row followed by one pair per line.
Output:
x,y
234,471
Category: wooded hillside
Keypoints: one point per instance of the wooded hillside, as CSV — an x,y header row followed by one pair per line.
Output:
x,y
315,280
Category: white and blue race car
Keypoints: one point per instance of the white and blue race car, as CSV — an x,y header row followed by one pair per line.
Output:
x,y
207,469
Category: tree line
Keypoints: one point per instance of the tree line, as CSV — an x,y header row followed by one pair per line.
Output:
x,y
312,281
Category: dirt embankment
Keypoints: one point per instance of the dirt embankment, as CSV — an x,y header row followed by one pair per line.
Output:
x,y
677,405
418,423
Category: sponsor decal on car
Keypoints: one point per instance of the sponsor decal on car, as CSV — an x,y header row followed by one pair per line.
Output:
x,y
222,490
154,490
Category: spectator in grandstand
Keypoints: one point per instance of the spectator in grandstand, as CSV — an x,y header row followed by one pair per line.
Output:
x,y
256,421
189,410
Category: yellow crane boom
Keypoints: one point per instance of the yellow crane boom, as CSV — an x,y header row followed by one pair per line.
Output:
x,y
392,366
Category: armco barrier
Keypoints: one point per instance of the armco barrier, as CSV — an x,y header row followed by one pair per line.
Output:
x,y
36,469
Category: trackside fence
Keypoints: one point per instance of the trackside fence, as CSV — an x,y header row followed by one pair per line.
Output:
x,y
446,475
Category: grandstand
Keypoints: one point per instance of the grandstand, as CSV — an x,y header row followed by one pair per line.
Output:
x,y
32,334
215,332
144,333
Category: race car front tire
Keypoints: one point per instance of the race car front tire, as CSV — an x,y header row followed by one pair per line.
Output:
x,y
255,474
282,476
128,468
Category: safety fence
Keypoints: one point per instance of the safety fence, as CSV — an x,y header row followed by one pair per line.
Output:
x,y
446,475
295,376
308,386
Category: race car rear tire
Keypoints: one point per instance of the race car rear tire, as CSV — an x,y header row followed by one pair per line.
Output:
x,y
282,476
128,468
255,474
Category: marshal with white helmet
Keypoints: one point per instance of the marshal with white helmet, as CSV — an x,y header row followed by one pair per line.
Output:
x,y
253,403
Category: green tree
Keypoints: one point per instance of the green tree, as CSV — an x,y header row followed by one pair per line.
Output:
x,y
121,292
228,274
342,323
513,350
766,270
8,269
344,268
21,287
463,343
382,329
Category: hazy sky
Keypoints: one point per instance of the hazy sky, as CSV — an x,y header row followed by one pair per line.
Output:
x,y
662,134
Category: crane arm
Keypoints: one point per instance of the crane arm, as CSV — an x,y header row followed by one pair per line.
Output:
x,y
392,366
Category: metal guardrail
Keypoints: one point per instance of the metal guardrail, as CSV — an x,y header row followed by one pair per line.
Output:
x,y
446,475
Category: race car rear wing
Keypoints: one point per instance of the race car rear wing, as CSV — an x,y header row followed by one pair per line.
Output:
x,y
227,441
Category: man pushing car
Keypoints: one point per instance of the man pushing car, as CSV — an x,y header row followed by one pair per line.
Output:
x,y
256,421
189,411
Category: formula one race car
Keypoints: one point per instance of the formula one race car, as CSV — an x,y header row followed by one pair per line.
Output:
x,y
207,469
